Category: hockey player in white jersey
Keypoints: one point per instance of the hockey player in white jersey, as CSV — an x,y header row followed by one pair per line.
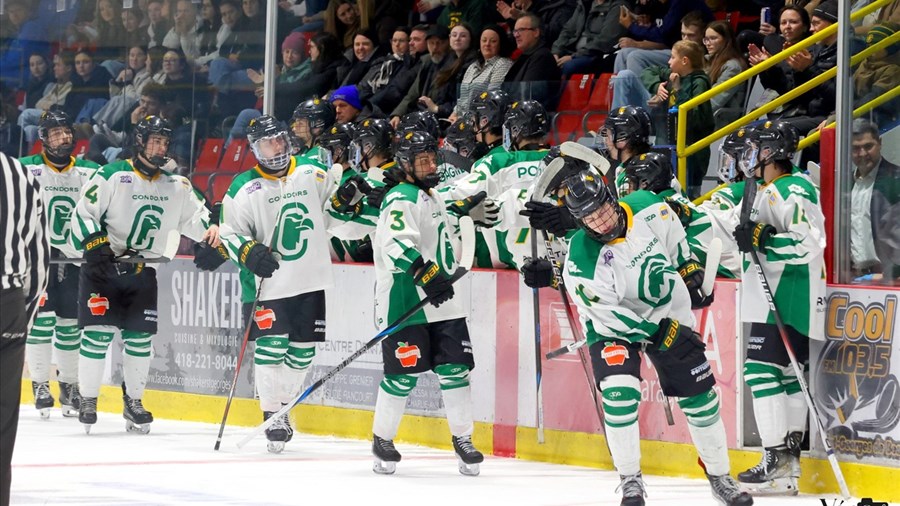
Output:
x,y
786,228
273,219
61,176
623,270
128,208
414,258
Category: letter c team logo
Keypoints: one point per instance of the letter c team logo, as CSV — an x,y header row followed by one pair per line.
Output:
x,y
614,354
407,355
264,318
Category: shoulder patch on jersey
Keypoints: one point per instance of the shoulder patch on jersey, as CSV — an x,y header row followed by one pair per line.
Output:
x,y
125,178
240,181
36,171
252,187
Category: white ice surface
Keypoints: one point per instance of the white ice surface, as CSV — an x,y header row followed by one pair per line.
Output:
x,y
55,462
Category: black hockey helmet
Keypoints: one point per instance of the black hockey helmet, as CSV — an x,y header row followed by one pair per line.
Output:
x,y
152,125
730,153
422,121
56,118
411,145
461,138
585,194
318,113
628,123
524,120
263,134
775,140
334,144
371,136
489,110
649,171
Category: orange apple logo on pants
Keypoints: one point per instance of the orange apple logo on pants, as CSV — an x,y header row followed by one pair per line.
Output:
x,y
614,354
407,355
98,305
264,318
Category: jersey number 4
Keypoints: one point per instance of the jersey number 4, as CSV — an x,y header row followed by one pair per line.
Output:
x,y
91,194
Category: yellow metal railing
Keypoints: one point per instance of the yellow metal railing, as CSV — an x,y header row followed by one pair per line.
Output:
x,y
683,151
859,111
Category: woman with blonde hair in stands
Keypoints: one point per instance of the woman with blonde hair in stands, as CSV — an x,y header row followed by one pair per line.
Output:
x,y
346,18
722,63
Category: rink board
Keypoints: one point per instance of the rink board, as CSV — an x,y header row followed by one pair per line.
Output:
x,y
200,336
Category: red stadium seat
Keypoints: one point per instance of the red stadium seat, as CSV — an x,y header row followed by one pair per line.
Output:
x,y
598,104
234,156
201,181
566,126
210,154
38,146
218,186
81,148
249,160
576,93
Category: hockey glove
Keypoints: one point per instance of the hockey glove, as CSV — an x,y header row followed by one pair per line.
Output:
x,y
392,177
538,273
483,211
693,273
544,216
348,198
437,286
257,259
753,236
683,211
207,258
672,337
99,259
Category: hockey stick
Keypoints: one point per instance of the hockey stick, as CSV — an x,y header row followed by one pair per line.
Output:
x,y
586,154
468,248
747,204
173,240
538,367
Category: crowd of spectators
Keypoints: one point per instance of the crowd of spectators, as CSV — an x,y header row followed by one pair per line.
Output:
x,y
203,61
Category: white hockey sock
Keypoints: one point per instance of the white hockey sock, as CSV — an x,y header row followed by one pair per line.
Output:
x,y
621,400
458,404
297,361
712,447
95,341
67,343
266,376
136,361
797,409
38,350
389,410
771,419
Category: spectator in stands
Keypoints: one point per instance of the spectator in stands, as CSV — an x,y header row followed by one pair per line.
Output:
x,y
255,14
554,14
41,76
244,49
10,132
879,73
125,90
159,24
875,188
793,26
23,37
342,19
54,95
211,33
438,58
347,106
722,63
373,87
391,95
184,35
683,80
365,52
535,74
657,37
180,84
90,92
314,19
448,80
135,34
489,69
110,39
475,13
105,146
230,15
587,42
289,82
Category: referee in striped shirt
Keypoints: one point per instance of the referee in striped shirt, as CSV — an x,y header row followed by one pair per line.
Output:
x,y
25,257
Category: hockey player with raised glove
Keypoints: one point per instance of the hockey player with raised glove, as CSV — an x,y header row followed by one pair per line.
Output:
x,y
483,211
414,258
622,247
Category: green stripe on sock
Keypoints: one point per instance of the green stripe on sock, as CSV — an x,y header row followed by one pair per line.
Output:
x,y
452,376
399,385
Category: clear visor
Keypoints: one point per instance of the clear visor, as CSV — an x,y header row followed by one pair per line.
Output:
x,y
727,166
507,138
325,157
356,155
748,161
273,151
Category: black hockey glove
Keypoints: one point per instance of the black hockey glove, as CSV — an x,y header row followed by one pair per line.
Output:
x,y
672,337
753,236
207,258
99,259
257,259
693,273
392,177
554,219
483,211
132,268
348,198
683,211
437,286
538,273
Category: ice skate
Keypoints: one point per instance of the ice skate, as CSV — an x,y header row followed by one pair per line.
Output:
x,y
727,492
278,433
469,458
793,441
43,400
137,419
773,475
287,423
386,456
69,399
632,487
88,413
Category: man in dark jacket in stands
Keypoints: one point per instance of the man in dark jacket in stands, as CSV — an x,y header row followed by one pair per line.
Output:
x,y
554,14
439,57
587,42
534,75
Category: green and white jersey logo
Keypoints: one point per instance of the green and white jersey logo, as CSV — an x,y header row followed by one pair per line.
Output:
x,y
147,219
656,281
292,233
60,210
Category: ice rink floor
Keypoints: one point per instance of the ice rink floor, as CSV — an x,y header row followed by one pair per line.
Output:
x,y
56,463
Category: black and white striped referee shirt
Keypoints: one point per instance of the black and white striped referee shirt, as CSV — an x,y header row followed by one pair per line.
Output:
x,y
24,250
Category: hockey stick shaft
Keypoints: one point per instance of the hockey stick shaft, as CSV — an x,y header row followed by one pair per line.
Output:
x,y
747,204
338,368
538,367
128,260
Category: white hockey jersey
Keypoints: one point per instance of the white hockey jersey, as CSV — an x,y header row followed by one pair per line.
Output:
x,y
286,213
138,213
60,189
624,288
